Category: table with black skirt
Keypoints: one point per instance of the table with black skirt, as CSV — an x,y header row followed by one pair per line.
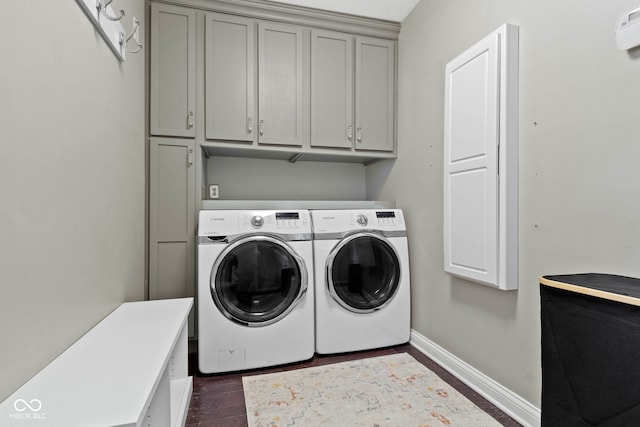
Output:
x,y
590,350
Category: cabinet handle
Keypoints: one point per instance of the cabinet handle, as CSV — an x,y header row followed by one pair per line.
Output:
x,y
359,134
350,132
189,157
261,127
249,125
190,120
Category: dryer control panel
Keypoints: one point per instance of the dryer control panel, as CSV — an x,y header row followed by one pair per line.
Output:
x,y
387,218
377,219
340,221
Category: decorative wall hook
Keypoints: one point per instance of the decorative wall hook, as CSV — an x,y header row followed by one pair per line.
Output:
x,y
102,5
135,35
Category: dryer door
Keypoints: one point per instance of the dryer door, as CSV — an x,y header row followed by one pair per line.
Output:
x,y
257,280
363,272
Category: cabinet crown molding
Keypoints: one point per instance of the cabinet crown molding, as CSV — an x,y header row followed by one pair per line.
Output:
x,y
316,18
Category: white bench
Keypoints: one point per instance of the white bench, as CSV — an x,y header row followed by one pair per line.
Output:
x,y
129,370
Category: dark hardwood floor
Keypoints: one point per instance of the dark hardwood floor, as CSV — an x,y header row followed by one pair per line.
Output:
x,y
218,400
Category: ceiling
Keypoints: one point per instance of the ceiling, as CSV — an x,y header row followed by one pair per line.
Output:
x,y
390,10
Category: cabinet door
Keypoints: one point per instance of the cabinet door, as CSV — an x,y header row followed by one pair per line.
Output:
x,y
172,85
375,93
280,84
480,162
229,77
331,89
471,169
171,218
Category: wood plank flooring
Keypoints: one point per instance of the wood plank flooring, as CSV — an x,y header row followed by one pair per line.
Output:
x,y
218,400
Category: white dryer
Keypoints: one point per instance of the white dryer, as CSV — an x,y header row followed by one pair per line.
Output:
x,y
255,289
362,279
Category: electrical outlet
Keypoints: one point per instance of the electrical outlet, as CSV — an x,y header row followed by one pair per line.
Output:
x,y
214,191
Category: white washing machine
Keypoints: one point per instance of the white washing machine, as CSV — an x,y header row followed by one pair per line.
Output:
x,y
362,279
255,289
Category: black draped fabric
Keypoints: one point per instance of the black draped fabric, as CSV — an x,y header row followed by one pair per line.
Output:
x,y
590,353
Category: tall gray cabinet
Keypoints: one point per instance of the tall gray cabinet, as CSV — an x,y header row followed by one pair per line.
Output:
x,y
172,194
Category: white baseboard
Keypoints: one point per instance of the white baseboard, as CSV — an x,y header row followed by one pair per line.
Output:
x,y
509,402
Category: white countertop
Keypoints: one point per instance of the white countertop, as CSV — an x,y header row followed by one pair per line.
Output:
x,y
297,204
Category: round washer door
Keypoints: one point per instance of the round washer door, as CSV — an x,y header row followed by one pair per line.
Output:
x,y
257,280
363,272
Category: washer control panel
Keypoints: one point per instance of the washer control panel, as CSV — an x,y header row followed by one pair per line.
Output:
x,y
232,222
375,219
276,221
291,220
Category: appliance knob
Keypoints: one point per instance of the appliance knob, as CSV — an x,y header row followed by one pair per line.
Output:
x,y
257,221
362,220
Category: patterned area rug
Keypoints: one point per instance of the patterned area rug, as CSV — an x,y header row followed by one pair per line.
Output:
x,y
386,391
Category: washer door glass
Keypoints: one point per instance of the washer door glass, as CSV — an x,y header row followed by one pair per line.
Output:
x,y
363,272
257,280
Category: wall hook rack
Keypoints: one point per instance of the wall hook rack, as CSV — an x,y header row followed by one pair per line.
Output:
x,y
107,23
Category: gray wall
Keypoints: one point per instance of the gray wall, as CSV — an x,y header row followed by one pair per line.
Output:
x,y
266,179
71,179
579,174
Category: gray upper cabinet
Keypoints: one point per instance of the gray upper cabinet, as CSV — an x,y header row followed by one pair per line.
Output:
x,y
229,77
250,79
172,77
345,86
332,89
375,92
280,84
